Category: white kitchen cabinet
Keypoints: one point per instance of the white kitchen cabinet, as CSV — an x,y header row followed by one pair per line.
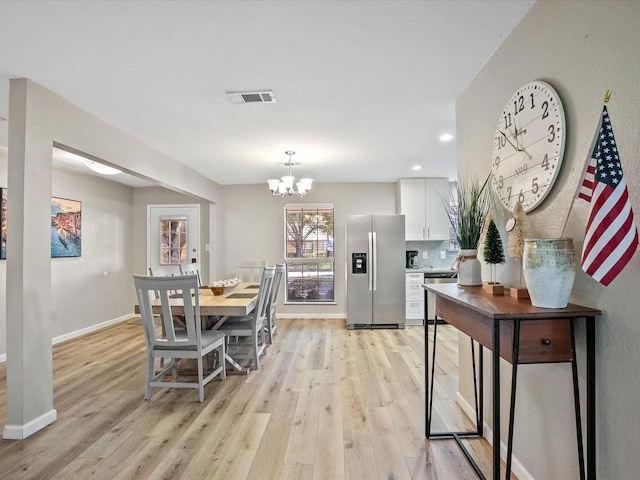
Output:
x,y
421,204
414,295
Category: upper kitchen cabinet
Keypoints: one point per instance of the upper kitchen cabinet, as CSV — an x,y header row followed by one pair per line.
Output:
x,y
421,204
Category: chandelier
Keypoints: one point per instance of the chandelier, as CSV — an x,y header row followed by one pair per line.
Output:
x,y
284,186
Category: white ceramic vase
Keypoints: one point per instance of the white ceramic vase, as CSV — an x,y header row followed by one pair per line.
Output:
x,y
469,268
549,267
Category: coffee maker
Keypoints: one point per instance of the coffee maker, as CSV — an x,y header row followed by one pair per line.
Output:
x,y
412,259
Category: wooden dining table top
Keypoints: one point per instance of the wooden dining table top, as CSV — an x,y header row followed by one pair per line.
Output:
x,y
238,301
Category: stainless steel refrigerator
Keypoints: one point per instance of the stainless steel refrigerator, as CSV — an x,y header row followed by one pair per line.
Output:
x,y
375,271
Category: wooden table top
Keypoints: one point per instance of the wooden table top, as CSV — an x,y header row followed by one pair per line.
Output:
x,y
221,305
504,307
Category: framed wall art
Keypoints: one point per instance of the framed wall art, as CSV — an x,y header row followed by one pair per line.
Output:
x,y
66,232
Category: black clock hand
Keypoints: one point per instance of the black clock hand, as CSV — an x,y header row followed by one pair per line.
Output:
x,y
507,139
515,136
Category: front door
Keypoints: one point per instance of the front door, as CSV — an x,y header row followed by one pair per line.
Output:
x,y
173,238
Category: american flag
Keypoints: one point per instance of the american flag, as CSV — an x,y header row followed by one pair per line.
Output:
x,y
611,237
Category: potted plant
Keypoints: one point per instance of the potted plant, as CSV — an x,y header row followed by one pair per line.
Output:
x,y
467,211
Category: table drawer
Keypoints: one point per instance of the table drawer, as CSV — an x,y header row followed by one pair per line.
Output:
x,y
541,341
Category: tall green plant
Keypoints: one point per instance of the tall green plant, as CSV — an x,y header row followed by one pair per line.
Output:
x,y
467,214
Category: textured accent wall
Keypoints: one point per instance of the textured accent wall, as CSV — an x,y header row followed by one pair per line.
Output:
x,y
582,49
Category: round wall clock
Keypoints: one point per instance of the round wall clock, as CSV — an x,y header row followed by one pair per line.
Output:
x,y
528,146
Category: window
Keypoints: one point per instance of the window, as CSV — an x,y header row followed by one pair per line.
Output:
x,y
173,241
309,253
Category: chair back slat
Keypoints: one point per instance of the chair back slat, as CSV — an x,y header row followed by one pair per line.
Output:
x,y
166,288
189,270
250,270
275,287
264,291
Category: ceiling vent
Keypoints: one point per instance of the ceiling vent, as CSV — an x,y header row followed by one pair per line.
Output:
x,y
263,96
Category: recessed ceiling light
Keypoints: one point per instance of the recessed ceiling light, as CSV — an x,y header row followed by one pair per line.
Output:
x,y
100,168
416,168
446,137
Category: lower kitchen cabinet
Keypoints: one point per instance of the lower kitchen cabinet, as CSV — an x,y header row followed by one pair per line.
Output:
x,y
414,295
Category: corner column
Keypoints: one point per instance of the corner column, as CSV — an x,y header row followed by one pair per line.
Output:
x,y
29,352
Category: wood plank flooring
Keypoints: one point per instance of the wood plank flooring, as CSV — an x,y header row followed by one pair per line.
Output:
x,y
328,404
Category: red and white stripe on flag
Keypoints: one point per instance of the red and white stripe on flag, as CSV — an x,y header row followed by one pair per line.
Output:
x,y
611,236
588,181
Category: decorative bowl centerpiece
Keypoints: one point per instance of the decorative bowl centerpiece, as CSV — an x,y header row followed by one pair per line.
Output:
x,y
222,286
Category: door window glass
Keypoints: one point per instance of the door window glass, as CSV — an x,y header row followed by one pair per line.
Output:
x,y
173,241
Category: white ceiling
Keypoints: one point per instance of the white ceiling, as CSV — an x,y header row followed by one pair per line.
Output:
x,y
363,89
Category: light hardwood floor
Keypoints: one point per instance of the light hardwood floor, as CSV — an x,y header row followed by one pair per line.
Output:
x,y
328,404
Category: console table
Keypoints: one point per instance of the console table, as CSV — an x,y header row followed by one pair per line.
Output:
x,y
520,333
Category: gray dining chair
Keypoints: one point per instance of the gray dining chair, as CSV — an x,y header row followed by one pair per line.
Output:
x,y
271,325
248,331
188,269
172,342
250,270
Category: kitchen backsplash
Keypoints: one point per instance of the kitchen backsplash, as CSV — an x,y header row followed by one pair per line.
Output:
x,y
434,251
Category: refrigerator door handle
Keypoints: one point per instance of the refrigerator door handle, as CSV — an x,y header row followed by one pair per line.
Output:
x,y
370,262
374,261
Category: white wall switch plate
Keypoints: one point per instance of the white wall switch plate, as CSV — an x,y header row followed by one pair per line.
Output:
x,y
425,255
443,254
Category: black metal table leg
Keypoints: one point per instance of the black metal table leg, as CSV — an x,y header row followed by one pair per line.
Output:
x,y
576,400
496,399
591,397
426,372
480,425
428,386
514,381
475,383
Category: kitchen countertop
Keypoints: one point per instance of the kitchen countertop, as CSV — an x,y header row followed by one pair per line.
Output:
x,y
429,270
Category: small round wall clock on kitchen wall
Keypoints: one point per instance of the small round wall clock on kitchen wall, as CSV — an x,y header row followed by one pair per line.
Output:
x,y
528,146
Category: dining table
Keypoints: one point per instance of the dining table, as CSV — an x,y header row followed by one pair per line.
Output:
x,y
234,302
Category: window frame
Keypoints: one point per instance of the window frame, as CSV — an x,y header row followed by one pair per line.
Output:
x,y
308,260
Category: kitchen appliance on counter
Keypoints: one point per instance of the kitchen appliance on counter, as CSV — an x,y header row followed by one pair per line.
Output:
x,y
412,259
449,276
374,272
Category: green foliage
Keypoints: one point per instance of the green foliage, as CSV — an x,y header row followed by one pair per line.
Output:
x,y
468,211
493,250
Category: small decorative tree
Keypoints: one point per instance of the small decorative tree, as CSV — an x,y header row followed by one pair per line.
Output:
x,y
493,250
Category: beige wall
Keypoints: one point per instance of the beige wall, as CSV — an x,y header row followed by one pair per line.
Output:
x,y
251,226
91,289
582,49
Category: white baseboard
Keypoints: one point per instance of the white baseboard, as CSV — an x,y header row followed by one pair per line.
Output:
x,y
90,329
311,315
81,332
516,466
20,432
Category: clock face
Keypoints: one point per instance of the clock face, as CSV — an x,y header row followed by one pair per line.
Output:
x,y
528,146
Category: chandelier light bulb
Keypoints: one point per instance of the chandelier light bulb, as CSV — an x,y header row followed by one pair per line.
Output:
x,y
284,186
